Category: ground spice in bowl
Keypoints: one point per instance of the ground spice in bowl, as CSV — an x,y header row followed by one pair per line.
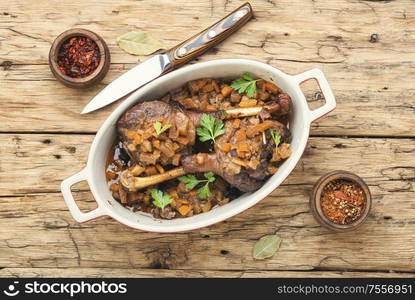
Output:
x,y
78,57
342,201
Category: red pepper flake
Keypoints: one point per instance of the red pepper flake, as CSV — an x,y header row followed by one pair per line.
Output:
x,y
78,57
342,202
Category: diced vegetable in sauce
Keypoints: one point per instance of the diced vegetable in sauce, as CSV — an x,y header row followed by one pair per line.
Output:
x,y
162,146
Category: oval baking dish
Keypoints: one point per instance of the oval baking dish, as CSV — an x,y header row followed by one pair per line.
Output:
x,y
300,120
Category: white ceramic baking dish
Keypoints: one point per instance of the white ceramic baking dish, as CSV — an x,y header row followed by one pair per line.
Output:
x,y
94,172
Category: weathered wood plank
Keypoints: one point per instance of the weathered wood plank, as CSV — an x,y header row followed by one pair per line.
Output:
x,y
303,26
372,81
42,224
39,159
37,231
42,161
40,103
160,273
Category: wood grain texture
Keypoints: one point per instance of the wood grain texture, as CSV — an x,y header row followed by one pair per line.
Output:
x,y
372,82
160,273
43,226
44,139
44,234
47,159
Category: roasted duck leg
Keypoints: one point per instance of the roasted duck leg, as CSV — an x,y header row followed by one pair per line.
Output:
x,y
146,147
245,174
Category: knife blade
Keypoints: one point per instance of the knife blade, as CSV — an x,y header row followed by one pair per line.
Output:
x,y
160,64
129,81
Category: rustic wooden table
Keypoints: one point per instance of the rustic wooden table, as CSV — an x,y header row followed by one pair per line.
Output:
x,y
44,139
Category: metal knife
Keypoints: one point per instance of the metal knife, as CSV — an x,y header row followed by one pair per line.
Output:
x,y
160,64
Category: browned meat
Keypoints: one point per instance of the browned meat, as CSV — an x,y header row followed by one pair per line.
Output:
x,y
212,162
241,154
241,157
144,145
280,107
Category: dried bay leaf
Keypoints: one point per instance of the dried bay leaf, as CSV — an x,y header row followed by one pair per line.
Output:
x,y
139,43
266,246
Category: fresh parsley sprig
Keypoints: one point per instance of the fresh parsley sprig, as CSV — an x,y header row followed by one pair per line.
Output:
x,y
160,128
191,182
275,136
160,199
246,84
210,128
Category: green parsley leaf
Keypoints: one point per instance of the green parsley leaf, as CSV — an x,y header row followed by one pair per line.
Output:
x,y
275,136
160,128
210,176
247,76
204,192
210,128
160,200
246,84
191,182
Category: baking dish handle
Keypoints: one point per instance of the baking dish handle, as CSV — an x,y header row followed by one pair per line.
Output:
x,y
77,214
330,104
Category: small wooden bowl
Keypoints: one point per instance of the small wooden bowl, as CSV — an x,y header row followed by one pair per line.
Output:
x,y
315,200
96,76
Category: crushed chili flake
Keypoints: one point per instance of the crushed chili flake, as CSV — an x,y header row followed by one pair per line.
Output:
x,y
78,57
342,202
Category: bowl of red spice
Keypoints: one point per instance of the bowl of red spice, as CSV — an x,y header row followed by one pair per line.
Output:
x,y
340,201
79,58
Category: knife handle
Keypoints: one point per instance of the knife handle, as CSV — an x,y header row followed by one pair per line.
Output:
x,y
209,37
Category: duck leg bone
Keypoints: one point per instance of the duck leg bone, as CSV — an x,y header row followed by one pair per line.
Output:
x,y
191,165
134,183
233,113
